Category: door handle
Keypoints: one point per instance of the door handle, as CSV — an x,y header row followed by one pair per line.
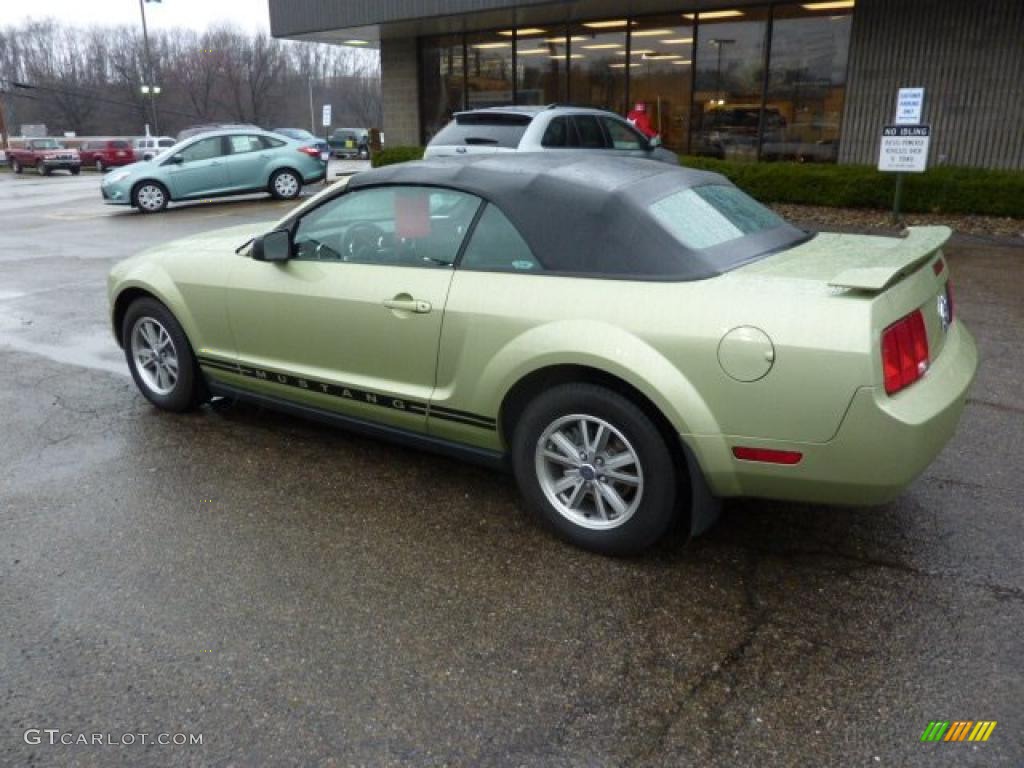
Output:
x,y
418,306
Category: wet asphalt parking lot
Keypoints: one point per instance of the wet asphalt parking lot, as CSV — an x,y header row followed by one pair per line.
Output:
x,y
302,596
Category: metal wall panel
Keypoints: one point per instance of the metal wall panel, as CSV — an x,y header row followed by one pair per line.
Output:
x,y
969,57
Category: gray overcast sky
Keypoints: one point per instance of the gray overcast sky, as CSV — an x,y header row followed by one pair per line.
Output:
x,y
195,14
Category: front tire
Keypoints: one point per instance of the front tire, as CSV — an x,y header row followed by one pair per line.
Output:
x,y
41,169
595,468
150,197
75,171
16,167
160,357
100,167
285,184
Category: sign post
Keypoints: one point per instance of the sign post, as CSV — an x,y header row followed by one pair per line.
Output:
x,y
904,145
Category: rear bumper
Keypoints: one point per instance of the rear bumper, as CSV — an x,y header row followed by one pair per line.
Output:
x,y
882,444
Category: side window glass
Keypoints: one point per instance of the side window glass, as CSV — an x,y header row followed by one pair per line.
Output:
x,y
622,136
557,133
591,135
205,149
242,144
496,245
269,143
397,226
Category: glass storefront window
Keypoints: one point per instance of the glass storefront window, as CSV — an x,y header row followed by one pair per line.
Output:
x,y
699,75
597,64
442,91
489,76
729,84
540,64
807,82
661,73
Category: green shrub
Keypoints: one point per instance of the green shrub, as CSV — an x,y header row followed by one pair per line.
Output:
x,y
938,190
391,155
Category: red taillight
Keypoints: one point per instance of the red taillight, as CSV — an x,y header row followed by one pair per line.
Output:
x,y
767,455
311,151
949,298
904,352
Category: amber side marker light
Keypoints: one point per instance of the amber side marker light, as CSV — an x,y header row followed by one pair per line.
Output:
x,y
767,455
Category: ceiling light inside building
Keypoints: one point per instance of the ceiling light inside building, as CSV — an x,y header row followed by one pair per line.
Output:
x,y
705,15
523,31
533,52
677,41
637,51
601,46
683,62
491,45
833,5
651,32
606,24
354,42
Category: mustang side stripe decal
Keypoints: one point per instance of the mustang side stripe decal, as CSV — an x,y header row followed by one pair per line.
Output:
x,y
349,393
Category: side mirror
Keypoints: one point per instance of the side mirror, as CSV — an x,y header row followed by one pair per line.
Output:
x,y
654,142
273,246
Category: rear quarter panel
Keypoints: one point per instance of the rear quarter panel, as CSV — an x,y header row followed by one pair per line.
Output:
x,y
661,337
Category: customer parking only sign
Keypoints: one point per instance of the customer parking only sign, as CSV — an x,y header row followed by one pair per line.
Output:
x,y
904,148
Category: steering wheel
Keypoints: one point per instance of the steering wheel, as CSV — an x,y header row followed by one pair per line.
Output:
x,y
362,241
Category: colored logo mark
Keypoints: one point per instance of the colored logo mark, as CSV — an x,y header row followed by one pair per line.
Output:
x,y
958,730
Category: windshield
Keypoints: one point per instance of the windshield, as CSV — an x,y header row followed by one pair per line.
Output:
x,y
484,129
46,144
713,214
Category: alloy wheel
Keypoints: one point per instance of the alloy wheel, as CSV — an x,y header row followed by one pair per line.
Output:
x,y
154,355
150,197
286,185
589,471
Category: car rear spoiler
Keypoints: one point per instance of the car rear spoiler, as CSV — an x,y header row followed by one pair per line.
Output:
x,y
886,265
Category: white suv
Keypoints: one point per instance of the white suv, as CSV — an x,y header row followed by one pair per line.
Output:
x,y
543,129
148,147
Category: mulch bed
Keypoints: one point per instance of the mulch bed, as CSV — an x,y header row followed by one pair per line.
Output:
x,y
857,219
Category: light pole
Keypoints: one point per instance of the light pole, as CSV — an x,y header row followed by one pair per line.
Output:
x,y
150,87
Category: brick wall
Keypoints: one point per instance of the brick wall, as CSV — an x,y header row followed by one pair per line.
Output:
x,y
399,83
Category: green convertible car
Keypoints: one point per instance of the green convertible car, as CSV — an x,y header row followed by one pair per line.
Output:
x,y
635,340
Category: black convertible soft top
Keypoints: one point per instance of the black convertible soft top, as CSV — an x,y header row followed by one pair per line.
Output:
x,y
587,213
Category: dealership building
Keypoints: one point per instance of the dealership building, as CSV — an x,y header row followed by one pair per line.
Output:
x,y
811,81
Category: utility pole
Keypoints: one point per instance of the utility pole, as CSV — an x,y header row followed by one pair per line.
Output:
x,y
3,119
150,87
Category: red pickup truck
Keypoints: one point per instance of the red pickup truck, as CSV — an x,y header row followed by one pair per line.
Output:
x,y
45,156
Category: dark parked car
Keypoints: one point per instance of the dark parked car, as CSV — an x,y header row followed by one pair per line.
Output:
x,y
107,153
350,142
306,137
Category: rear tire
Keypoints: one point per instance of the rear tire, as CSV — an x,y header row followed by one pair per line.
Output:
x,y
285,184
16,167
160,357
610,489
100,167
75,171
